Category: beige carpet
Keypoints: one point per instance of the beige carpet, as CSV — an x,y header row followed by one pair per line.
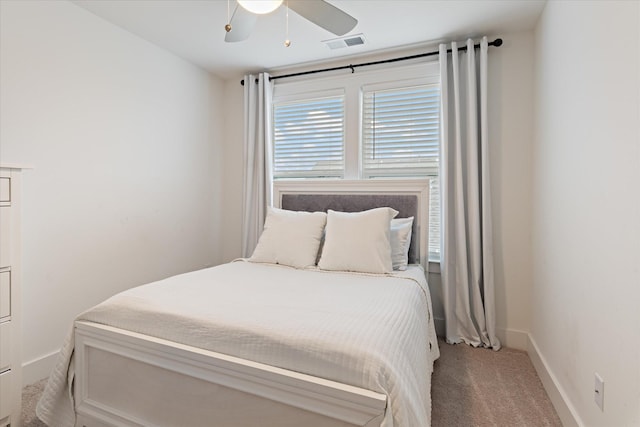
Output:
x,y
30,396
470,387
480,387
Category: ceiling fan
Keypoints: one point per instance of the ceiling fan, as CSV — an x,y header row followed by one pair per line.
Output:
x,y
320,12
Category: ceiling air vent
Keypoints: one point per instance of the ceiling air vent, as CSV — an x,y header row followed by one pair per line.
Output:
x,y
349,41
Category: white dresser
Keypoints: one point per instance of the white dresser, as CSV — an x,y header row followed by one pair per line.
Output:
x,y
10,305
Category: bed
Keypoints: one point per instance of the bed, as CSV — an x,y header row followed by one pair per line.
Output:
x,y
261,343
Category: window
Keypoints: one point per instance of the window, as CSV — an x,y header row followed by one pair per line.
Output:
x,y
362,126
401,132
308,138
401,138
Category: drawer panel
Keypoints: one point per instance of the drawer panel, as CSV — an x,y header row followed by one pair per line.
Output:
x,y
5,237
5,392
5,190
5,345
5,295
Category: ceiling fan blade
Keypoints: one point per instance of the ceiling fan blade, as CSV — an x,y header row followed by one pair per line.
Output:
x,y
242,23
324,15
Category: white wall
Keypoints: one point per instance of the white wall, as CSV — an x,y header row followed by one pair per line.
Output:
x,y
233,165
511,86
511,135
586,205
124,138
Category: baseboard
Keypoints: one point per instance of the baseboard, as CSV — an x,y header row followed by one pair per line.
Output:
x,y
567,413
38,369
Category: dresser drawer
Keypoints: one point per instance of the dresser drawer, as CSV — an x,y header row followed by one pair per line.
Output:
x,y
5,345
5,295
5,190
5,237
5,394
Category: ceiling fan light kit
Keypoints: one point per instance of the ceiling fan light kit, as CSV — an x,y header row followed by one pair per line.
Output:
x,y
320,12
261,7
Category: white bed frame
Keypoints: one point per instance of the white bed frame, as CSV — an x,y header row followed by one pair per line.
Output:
x,y
123,378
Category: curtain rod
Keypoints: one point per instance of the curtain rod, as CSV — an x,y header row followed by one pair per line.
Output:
x,y
352,67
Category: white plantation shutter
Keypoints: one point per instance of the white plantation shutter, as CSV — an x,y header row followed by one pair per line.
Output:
x,y
401,131
308,138
401,138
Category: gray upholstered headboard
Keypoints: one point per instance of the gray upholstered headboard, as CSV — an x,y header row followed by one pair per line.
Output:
x,y
406,205
409,198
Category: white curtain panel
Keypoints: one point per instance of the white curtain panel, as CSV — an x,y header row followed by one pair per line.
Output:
x,y
257,158
467,250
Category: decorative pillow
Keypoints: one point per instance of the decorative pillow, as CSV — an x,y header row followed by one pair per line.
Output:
x,y
400,242
358,241
290,238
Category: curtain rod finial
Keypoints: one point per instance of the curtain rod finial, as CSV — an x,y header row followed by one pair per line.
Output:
x,y
497,42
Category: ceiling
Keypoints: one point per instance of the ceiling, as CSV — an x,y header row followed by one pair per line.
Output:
x,y
194,29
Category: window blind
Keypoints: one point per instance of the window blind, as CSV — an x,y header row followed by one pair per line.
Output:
x,y
308,138
401,131
401,138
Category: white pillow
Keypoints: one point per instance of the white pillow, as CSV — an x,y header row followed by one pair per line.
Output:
x,y
400,242
358,241
290,238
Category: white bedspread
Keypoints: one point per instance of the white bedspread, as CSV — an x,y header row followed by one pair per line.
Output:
x,y
370,331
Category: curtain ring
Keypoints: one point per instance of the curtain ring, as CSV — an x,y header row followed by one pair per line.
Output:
x,y
352,69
